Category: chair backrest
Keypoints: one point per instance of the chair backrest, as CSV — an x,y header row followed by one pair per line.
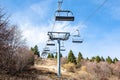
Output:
x,y
64,18
50,43
64,15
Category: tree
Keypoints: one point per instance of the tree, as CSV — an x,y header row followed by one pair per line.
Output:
x,y
115,60
109,60
60,55
50,55
13,49
87,58
80,57
97,59
56,55
35,50
102,59
92,59
71,57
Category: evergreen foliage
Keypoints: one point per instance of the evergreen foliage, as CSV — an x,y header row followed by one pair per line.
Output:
x,y
60,55
71,57
102,59
109,60
115,60
92,59
87,58
97,59
80,57
56,55
50,55
35,50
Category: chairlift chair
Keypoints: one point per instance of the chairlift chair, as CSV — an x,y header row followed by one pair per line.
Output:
x,y
62,48
50,43
76,38
68,17
44,54
46,49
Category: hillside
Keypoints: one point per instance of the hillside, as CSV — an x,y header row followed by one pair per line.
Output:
x,y
46,69
86,71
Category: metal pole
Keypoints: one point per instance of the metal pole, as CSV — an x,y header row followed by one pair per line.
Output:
x,y
58,58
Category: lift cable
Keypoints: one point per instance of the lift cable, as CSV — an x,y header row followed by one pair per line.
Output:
x,y
59,8
53,26
91,15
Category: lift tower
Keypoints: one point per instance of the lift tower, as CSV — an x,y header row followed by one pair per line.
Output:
x,y
58,36
61,15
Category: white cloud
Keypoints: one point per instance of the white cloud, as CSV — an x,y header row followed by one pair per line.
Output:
x,y
41,8
34,34
38,34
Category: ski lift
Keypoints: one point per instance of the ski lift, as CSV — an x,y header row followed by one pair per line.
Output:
x,y
50,43
44,53
62,48
76,38
46,49
67,15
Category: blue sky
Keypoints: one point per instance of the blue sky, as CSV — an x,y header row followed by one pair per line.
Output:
x,y
100,32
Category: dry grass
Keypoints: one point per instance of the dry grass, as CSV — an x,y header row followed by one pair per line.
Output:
x,y
88,71
83,68
70,67
29,74
83,74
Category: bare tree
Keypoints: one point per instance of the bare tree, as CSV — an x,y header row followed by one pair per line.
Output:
x,y
13,49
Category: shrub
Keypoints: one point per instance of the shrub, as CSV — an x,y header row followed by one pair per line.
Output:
x,y
70,67
116,69
84,68
14,55
22,59
83,75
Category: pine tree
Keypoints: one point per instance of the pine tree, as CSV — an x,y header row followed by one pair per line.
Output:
x,y
71,57
115,60
35,50
60,55
52,56
56,55
80,57
97,59
92,59
109,60
87,58
49,55
102,59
